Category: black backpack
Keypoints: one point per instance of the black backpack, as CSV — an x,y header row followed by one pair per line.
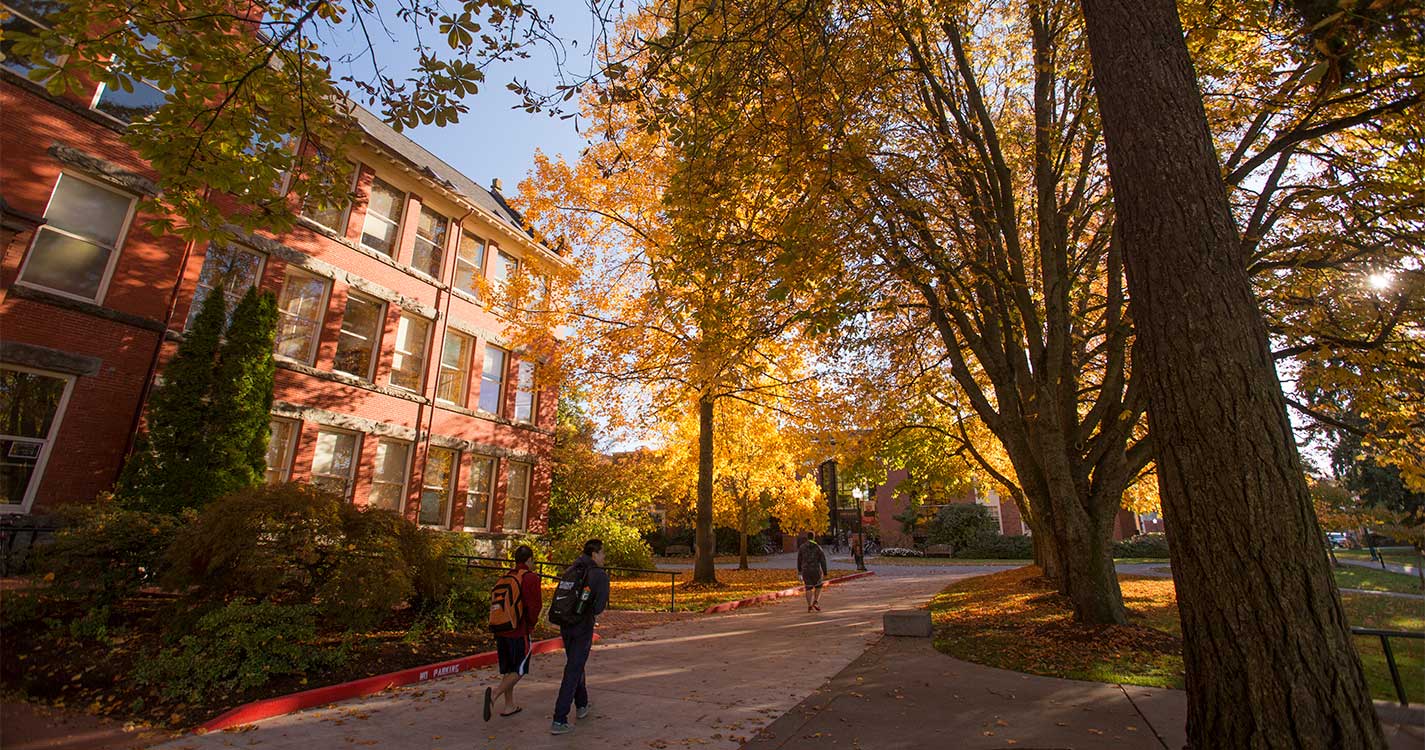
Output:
x,y
570,601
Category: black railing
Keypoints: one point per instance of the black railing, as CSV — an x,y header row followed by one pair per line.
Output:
x,y
504,563
18,535
1385,636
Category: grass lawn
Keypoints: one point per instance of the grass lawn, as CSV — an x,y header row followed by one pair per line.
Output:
x,y
650,592
1366,579
1013,620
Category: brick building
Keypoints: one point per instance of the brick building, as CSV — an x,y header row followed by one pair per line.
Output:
x,y
890,502
396,385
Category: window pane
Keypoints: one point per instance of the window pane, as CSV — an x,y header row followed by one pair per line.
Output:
x,y
299,315
330,216
279,450
492,376
408,363
454,368
66,264
28,403
506,266
128,106
524,393
25,17
517,497
333,461
383,218
360,333
235,268
430,242
388,482
435,490
87,210
477,494
469,263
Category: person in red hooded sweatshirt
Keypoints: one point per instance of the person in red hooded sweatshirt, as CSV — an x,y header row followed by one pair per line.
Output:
x,y
513,646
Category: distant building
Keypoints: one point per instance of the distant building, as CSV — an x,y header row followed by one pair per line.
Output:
x,y
396,384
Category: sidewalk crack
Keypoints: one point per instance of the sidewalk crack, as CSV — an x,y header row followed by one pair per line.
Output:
x,y
1144,717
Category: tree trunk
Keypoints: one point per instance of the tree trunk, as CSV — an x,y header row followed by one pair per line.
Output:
x,y
704,544
742,542
1269,657
1082,549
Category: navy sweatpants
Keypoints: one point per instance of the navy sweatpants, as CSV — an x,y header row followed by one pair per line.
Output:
x,y
578,641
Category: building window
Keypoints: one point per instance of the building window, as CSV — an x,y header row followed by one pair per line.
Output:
x,y
436,484
382,230
331,217
388,481
279,450
454,368
24,17
492,379
517,497
506,267
469,263
360,338
75,250
478,493
130,98
31,403
526,400
408,363
334,463
237,269
431,230
299,315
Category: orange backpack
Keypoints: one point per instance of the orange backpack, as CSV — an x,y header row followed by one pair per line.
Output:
x,y
507,602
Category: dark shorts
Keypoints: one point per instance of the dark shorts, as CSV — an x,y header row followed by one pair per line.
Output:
x,y
514,654
813,580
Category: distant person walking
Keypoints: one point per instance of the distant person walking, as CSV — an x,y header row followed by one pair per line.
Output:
x,y
811,565
582,595
515,605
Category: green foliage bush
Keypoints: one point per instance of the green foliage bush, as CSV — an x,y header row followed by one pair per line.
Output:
x,y
998,547
294,543
1144,545
466,604
962,525
623,542
104,552
239,646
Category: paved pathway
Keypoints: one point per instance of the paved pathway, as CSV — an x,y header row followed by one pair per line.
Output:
x,y
1402,568
711,682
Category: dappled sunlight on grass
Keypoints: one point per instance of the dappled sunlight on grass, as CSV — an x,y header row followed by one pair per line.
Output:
x,y
1015,620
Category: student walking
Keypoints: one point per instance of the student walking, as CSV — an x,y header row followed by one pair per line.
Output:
x,y
515,604
811,565
582,595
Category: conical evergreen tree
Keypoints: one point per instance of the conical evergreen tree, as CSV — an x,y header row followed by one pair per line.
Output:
x,y
242,395
170,470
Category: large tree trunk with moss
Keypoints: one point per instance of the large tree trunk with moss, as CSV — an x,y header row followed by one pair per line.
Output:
x,y
1269,656
704,543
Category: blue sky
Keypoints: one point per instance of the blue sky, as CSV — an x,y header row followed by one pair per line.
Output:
x,y
495,139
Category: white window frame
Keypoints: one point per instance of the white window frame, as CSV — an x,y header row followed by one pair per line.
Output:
x,y
479,273
194,303
355,458
504,379
286,470
40,463
405,474
418,239
321,308
119,241
345,211
370,375
444,525
533,394
509,485
12,10
425,358
399,223
442,368
494,465
104,85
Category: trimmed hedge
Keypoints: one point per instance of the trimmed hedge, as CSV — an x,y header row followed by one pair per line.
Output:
x,y
998,547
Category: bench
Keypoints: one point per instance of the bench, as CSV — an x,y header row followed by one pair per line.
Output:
x,y
913,623
678,550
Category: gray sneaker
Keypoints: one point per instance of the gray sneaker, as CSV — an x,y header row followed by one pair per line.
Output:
x,y
581,712
560,727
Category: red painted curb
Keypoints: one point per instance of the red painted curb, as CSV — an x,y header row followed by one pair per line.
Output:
x,y
729,606
286,704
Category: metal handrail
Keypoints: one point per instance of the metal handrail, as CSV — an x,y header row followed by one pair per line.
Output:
x,y
509,563
1385,636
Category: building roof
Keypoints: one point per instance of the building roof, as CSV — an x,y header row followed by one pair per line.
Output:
x,y
435,168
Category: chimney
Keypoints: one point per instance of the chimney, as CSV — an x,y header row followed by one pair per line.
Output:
x,y
495,185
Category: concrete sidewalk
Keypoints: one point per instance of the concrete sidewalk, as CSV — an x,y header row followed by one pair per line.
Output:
x,y
902,694
710,682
